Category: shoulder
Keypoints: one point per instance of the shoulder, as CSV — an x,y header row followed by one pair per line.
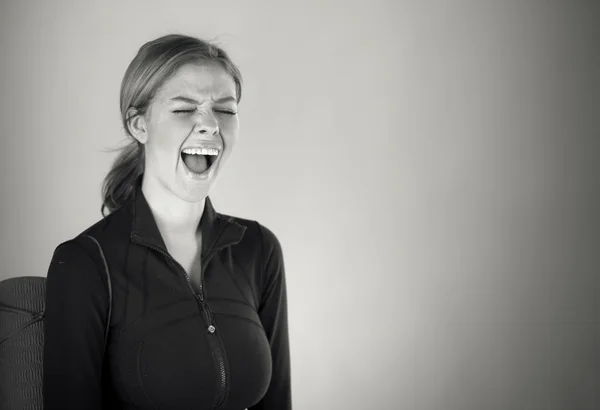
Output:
x,y
260,247
73,251
76,266
115,225
80,251
79,262
262,237
82,248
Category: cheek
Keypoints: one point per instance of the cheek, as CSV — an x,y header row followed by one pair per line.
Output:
x,y
166,137
229,131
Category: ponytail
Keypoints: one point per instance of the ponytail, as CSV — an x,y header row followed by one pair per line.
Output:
x,y
119,183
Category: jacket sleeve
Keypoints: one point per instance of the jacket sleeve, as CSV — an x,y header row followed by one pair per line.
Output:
x,y
274,318
74,324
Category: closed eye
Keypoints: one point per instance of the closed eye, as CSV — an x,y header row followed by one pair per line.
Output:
x,y
189,111
181,112
226,112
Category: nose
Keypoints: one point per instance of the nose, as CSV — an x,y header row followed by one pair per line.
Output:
x,y
207,125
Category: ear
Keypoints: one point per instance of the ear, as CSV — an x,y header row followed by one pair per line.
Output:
x,y
137,125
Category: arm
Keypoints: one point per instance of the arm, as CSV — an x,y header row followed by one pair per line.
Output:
x,y
274,318
74,325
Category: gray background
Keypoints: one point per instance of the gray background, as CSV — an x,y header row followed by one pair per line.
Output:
x,y
431,169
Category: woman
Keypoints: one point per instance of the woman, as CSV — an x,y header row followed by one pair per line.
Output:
x,y
195,301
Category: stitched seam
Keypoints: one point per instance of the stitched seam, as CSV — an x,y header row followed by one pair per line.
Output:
x,y
109,283
262,265
125,303
152,334
139,372
248,281
241,302
153,310
239,317
217,238
145,284
229,219
236,282
264,290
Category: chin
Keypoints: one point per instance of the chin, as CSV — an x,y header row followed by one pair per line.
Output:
x,y
194,192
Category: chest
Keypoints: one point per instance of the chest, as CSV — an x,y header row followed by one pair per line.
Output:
x,y
188,254
163,356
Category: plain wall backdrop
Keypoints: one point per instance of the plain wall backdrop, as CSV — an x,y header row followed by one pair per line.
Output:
x,y
430,168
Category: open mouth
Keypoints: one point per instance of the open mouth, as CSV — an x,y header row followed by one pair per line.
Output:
x,y
199,160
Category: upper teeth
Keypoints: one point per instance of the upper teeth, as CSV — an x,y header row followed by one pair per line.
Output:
x,y
201,151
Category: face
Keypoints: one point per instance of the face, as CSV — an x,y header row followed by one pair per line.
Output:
x,y
194,109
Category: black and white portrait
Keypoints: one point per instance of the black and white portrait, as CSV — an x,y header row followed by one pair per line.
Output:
x,y
320,205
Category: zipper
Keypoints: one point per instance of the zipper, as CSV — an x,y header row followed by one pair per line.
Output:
x,y
203,305
217,343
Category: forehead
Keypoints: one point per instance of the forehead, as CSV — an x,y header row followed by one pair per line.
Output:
x,y
203,80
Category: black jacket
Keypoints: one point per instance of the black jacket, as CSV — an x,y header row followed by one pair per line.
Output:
x,y
168,347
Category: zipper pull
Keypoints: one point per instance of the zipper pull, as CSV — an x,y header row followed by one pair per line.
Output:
x,y
211,329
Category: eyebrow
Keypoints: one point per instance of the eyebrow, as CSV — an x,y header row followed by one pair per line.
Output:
x,y
192,101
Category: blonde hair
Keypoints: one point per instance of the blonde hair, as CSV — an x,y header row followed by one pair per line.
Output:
x,y
155,62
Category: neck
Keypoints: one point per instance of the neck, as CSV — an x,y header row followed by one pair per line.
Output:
x,y
173,215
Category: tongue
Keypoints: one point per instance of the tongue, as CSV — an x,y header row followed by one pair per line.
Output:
x,y
196,163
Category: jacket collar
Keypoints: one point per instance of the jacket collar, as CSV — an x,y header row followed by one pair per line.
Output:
x,y
218,231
